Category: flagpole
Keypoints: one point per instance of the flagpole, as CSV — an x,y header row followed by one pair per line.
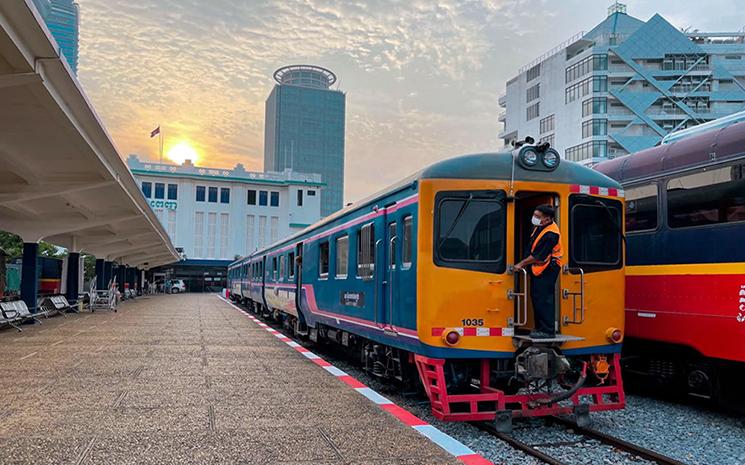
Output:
x,y
160,137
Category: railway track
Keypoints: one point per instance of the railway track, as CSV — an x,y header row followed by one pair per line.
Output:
x,y
538,451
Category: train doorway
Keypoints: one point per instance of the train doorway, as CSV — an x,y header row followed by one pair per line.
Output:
x,y
525,204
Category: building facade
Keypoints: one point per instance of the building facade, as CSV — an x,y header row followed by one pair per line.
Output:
x,y
62,17
215,215
623,86
304,129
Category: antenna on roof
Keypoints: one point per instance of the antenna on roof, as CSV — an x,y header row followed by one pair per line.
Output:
x,y
617,7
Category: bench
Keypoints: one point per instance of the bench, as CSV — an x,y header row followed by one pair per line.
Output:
x,y
16,311
55,304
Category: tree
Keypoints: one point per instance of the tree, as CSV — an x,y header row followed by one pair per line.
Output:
x,y
13,246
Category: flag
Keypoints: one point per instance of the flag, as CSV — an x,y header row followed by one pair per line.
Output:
x,y
155,132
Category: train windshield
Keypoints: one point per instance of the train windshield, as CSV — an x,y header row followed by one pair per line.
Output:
x,y
470,230
595,233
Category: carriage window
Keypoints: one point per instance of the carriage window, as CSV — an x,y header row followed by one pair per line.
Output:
x,y
282,268
291,265
708,197
366,251
406,244
342,257
323,259
595,233
470,230
392,245
641,208
274,267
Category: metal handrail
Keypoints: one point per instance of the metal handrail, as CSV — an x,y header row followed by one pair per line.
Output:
x,y
581,294
522,298
376,284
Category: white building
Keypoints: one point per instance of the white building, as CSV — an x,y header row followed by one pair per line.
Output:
x,y
215,215
623,86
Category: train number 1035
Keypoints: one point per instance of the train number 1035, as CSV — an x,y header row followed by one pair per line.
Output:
x,y
472,322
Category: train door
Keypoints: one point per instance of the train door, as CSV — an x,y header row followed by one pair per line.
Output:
x,y
298,267
390,268
525,204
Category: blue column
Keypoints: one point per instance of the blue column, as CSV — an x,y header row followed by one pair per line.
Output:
x,y
120,277
108,273
30,275
100,283
73,269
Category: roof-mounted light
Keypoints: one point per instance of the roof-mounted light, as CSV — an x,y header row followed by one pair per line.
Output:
x,y
551,159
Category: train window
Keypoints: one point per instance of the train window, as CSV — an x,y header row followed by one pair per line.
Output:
x,y
708,197
342,257
366,251
470,230
406,243
291,265
323,259
595,233
641,208
392,245
282,268
274,268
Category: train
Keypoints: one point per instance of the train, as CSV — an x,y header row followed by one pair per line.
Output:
x,y
417,282
685,284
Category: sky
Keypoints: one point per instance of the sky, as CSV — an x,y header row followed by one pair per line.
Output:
x,y
421,78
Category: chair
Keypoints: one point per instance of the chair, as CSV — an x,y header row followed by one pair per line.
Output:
x,y
17,311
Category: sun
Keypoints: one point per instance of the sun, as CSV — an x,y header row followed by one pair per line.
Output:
x,y
182,152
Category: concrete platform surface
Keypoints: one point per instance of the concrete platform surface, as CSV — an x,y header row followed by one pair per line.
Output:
x,y
178,379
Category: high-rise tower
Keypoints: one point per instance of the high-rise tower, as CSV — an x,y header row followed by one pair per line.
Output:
x,y
62,19
304,129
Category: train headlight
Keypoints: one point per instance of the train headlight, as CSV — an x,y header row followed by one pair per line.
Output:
x,y
614,335
528,157
551,159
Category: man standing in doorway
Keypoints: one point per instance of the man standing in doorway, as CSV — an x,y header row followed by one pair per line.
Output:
x,y
545,264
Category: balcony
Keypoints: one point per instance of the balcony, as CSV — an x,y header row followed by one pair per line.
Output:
x,y
502,116
502,101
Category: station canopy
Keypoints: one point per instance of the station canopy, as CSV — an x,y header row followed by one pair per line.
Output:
x,y
61,177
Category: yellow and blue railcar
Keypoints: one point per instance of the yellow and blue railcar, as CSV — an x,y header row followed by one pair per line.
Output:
x,y
418,279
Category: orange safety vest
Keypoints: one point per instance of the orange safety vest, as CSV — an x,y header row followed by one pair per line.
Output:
x,y
556,254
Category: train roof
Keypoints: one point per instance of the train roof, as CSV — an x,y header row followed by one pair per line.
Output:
x,y
719,144
486,166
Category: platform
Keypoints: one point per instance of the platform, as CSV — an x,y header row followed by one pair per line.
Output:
x,y
184,379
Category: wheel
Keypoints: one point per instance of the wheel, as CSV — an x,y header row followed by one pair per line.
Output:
x,y
174,290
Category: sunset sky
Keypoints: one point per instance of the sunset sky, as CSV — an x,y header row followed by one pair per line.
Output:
x,y
422,78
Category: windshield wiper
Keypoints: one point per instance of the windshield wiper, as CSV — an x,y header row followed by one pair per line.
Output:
x,y
457,218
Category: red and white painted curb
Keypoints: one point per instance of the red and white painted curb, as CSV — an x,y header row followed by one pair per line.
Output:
x,y
445,441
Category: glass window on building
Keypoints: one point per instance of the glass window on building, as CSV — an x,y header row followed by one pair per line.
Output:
x,y
708,197
600,84
342,257
299,197
201,193
173,192
263,197
592,149
213,194
311,193
147,189
274,199
595,105
594,127
160,190
547,124
533,72
548,138
224,195
533,93
533,111
641,208
251,197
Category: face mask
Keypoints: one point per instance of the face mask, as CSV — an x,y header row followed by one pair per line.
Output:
x,y
536,221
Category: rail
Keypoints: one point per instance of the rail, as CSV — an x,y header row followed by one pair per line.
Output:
x,y
566,293
521,298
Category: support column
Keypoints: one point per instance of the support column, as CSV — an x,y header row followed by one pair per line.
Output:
x,y
30,275
120,277
108,273
100,278
73,272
